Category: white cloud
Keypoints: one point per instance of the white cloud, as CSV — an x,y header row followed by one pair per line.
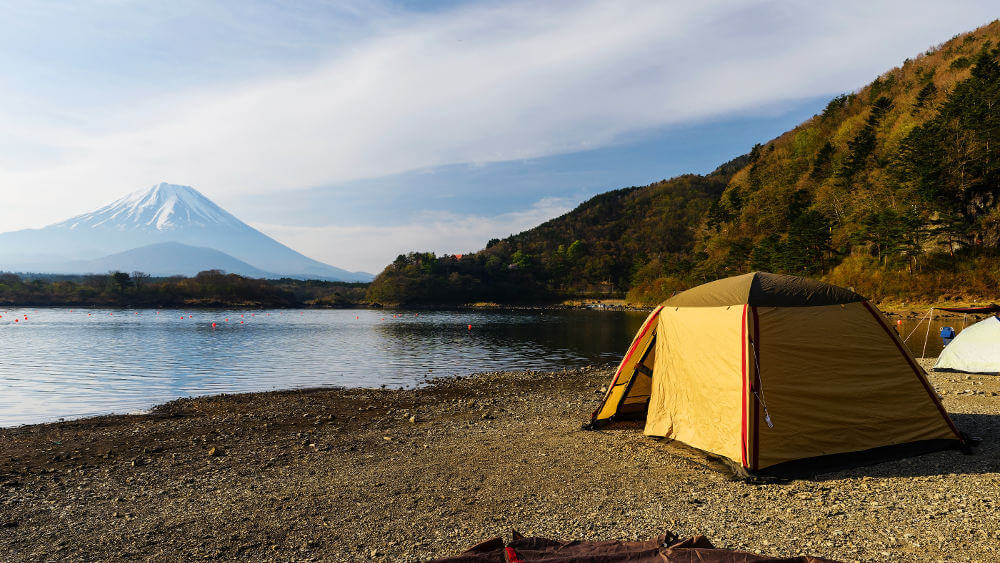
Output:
x,y
481,83
371,247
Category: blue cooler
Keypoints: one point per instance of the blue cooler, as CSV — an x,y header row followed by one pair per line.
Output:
x,y
947,334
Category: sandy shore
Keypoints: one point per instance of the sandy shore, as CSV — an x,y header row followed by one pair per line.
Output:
x,y
353,475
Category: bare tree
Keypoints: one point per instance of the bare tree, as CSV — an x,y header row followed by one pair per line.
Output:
x,y
140,279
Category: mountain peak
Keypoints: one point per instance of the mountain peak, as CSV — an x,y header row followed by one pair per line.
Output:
x,y
162,207
146,218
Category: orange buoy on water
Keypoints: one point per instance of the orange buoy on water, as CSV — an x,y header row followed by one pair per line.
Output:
x,y
470,327
213,325
899,322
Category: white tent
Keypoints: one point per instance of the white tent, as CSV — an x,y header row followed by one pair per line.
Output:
x,y
976,349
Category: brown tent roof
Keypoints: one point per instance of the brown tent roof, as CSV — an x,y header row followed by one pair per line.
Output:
x,y
763,289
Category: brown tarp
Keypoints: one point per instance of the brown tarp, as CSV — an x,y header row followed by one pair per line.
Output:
x,y
763,289
666,548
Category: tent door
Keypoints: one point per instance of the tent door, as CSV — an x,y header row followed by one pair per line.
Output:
x,y
634,406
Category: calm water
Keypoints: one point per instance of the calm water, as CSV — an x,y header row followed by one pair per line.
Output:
x,y
915,331
70,363
63,363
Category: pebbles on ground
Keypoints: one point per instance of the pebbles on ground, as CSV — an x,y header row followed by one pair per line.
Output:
x,y
405,475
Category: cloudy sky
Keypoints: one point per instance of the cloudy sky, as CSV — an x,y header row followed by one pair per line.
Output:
x,y
357,130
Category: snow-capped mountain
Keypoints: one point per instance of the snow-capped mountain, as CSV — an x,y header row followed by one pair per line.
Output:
x,y
160,214
164,207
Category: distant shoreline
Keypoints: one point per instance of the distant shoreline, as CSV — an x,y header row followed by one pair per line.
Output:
x,y
891,310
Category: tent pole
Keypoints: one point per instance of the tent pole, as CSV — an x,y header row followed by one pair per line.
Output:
x,y
928,334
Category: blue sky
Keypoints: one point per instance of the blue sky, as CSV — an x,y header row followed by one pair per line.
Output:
x,y
357,130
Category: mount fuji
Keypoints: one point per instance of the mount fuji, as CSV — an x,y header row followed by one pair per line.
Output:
x,y
133,231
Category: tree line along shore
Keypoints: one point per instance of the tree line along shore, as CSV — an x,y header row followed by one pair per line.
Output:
x,y
217,289
211,288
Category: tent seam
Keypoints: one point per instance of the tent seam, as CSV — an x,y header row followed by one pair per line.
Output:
x,y
743,369
916,371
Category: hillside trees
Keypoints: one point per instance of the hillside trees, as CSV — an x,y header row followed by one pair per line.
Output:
x,y
900,176
953,160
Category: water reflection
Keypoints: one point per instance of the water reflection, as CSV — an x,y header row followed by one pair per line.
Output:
x,y
923,338
63,363
71,363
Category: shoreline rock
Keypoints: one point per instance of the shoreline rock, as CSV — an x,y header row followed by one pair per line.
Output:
x,y
339,474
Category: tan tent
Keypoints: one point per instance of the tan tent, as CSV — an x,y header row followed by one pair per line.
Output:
x,y
765,369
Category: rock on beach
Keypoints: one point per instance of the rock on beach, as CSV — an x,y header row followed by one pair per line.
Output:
x,y
406,475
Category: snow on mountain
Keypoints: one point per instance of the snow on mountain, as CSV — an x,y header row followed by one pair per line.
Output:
x,y
159,214
163,207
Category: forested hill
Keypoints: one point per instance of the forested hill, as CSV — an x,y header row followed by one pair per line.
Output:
x,y
892,189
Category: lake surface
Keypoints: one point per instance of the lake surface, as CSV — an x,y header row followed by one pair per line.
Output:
x,y
72,363
63,363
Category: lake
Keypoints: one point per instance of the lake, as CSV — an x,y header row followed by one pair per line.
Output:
x,y
80,362
67,363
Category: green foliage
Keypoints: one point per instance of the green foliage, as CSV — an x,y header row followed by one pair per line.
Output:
x,y
960,63
953,159
925,96
835,106
901,177
495,274
823,163
120,281
211,288
863,144
595,249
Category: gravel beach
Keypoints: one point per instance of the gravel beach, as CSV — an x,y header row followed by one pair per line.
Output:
x,y
405,475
